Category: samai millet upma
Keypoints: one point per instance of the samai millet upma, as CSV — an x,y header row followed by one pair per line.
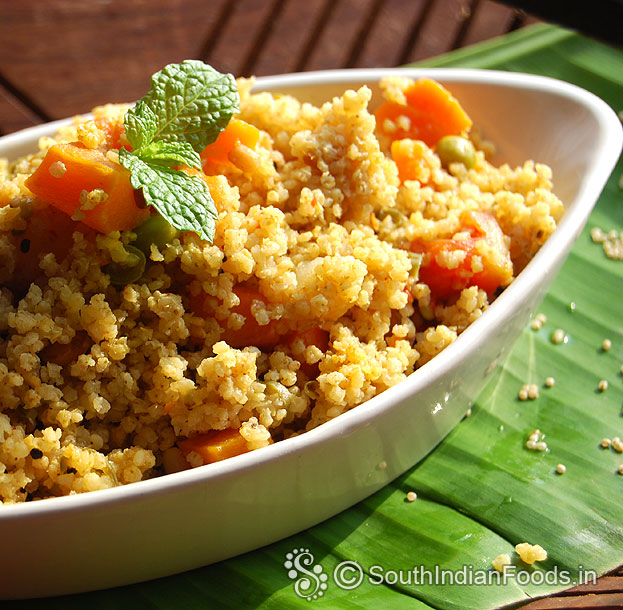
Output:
x,y
346,254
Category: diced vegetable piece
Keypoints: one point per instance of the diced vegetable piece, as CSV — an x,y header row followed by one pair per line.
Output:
x,y
237,132
215,446
48,230
431,112
398,218
155,230
408,155
456,149
66,353
251,333
314,336
129,271
68,170
115,133
480,258
215,186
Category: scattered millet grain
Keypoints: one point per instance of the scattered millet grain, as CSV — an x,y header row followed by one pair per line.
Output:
x,y
529,553
535,441
558,336
57,169
528,392
612,242
500,562
538,321
597,235
549,382
533,391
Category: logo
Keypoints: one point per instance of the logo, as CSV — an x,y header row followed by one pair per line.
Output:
x,y
310,580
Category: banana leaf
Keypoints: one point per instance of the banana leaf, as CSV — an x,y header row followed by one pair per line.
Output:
x,y
481,491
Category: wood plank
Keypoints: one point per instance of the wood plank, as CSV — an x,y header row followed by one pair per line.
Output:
x,y
583,602
489,19
441,26
64,57
389,33
605,584
14,115
68,56
292,33
605,592
237,38
339,36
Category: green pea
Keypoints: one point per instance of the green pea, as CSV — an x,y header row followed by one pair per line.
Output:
x,y
129,271
456,149
277,391
155,230
311,389
111,472
397,217
416,262
427,312
30,417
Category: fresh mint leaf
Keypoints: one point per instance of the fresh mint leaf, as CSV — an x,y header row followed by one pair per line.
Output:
x,y
141,125
184,201
171,153
191,102
188,105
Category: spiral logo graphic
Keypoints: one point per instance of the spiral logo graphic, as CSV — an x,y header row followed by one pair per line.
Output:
x,y
348,575
308,583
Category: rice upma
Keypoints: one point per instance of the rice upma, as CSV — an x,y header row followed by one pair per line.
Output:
x,y
352,245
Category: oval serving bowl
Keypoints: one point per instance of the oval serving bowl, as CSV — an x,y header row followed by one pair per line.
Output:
x,y
192,518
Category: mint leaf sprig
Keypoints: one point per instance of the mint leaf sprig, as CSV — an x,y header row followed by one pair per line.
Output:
x,y
186,108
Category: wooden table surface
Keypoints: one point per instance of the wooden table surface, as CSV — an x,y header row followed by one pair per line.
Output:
x,y
62,57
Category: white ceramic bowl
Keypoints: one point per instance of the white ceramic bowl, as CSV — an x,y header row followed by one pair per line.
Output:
x,y
186,520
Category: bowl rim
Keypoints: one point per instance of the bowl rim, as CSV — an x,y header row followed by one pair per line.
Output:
x,y
552,252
